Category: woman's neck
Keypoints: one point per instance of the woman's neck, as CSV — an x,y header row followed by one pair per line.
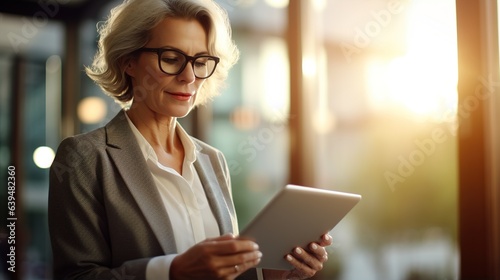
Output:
x,y
158,130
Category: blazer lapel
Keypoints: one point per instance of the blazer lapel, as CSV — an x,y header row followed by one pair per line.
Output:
x,y
126,154
214,193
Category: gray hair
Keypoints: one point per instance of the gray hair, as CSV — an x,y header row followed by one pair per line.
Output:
x,y
128,28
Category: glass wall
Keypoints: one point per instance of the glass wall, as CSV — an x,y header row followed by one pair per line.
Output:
x,y
30,92
380,81
250,118
391,76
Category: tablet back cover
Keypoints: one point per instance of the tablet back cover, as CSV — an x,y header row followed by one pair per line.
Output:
x,y
295,217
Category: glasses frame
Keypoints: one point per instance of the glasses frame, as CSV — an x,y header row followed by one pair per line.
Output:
x,y
160,51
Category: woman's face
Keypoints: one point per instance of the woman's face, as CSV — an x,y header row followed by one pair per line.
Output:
x,y
163,94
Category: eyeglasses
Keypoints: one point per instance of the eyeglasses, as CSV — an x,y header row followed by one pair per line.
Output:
x,y
173,62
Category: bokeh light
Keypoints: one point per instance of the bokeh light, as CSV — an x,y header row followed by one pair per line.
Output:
x,y
43,157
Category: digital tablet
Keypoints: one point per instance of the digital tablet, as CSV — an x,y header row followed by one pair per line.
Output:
x,y
295,217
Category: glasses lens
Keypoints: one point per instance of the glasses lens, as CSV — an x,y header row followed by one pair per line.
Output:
x,y
172,62
204,66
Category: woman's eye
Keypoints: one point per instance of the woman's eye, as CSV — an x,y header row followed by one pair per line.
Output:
x,y
200,64
173,60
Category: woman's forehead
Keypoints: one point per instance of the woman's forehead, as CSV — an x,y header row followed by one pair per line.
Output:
x,y
187,35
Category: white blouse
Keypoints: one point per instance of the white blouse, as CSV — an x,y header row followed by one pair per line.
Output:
x,y
184,199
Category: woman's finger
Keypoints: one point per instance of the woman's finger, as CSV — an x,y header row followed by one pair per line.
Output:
x,y
326,240
319,251
301,270
304,263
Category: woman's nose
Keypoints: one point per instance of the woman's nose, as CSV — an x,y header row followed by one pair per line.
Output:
x,y
187,75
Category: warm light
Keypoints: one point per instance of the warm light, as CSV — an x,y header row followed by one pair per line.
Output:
x,y
420,89
323,122
274,73
319,5
92,110
279,4
308,66
43,157
423,81
244,118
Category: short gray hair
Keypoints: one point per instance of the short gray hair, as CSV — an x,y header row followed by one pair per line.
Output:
x,y
127,29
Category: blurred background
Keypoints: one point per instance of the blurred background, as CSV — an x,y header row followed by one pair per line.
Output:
x,y
396,100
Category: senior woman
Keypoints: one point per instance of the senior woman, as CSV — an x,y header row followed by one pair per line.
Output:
x,y
139,198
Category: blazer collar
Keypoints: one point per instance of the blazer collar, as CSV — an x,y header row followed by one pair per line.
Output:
x,y
213,192
127,156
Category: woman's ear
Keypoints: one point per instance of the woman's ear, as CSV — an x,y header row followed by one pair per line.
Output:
x,y
130,67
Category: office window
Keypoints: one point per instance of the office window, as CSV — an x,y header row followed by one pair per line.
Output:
x,y
379,107
383,77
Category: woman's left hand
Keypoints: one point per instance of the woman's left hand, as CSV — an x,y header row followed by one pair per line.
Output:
x,y
308,261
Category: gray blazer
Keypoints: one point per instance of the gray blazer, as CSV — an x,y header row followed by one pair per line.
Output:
x,y
106,217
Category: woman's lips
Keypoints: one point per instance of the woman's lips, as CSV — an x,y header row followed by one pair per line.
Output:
x,y
181,96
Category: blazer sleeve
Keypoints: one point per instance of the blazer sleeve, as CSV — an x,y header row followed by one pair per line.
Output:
x,y
77,219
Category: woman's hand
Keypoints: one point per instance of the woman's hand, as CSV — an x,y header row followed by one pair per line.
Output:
x,y
306,261
223,257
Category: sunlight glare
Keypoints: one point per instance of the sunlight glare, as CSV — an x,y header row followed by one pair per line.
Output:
x,y
422,81
274,72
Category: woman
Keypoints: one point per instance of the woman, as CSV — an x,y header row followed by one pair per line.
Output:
x,y
140,198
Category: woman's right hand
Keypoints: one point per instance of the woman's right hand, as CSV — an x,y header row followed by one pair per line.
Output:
x,y
224,257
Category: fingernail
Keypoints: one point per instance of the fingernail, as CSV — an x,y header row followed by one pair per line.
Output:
x,y
327,237
256,246
289,257
314,246
259,255
298,251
